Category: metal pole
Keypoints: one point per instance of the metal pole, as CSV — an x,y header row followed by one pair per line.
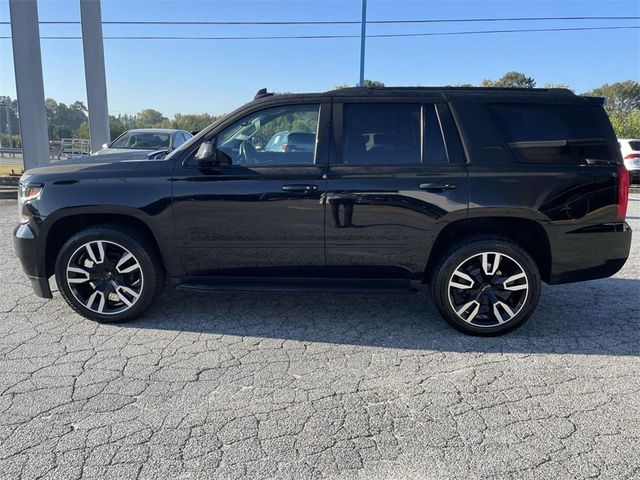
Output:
x,y
363,36
9,130
92,44
27,62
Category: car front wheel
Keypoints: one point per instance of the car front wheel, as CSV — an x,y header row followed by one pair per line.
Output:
x,y
109,274
488,286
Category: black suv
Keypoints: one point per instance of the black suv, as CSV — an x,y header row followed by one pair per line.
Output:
x,y
481,193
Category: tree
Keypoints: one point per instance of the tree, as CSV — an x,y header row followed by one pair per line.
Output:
x,y
367,83
149,117
192,122
116,127
511,80
622,97
64,120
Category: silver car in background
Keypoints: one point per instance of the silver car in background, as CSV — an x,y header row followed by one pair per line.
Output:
x,y
153,143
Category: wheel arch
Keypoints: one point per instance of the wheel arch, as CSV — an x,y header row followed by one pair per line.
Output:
x,y
64,227
528,233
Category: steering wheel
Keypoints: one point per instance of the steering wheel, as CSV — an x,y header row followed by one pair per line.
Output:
x,y
247,154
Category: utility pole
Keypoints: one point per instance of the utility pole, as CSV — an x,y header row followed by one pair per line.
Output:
x,y
94,72
363,36
27,63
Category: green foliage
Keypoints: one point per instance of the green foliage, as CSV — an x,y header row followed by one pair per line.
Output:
x,y
293,122
511,80
193,122
150,118
626,125
64,120
367,83
622,97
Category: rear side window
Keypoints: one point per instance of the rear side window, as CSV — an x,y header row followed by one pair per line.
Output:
x,y
541,133
381,133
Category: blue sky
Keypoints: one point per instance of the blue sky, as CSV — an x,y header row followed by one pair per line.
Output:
x,y
217,76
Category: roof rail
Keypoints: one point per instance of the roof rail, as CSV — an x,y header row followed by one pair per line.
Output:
x,y
262,93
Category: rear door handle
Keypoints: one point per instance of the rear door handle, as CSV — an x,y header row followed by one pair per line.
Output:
x,y
299,188
437,187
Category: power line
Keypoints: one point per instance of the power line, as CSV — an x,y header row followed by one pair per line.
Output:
x,y
377,35
338,22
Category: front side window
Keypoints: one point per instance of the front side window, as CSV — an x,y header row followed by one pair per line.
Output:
x,y
142,141
275,136
381,133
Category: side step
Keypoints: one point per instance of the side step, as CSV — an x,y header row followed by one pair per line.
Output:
x,y
270,284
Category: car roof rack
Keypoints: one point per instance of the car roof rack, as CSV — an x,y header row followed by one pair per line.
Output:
x,y
262,93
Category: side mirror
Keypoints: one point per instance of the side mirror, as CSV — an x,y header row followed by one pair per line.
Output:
x,y
206,152
105,145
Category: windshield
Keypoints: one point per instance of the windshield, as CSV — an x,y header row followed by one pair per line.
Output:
x,y
142,141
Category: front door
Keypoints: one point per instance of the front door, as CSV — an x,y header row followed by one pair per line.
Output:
x,y
259,211
393,181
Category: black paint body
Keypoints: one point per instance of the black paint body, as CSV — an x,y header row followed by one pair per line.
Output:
x,y
356,221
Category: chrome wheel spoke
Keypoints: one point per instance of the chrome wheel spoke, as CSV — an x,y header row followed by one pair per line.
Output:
x,y
499,308
127,263
99,258
85,275
96,295
516,282
124,293
490,262
469,311
461,280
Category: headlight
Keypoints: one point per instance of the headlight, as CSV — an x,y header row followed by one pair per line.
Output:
x,y
27,193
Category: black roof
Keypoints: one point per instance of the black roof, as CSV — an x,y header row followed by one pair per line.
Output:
x,y
420,91
552,95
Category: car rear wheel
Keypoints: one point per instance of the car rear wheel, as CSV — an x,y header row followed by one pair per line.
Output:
x,y
488,286
109,274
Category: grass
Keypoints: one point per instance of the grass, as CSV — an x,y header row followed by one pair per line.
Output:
x,y
10,170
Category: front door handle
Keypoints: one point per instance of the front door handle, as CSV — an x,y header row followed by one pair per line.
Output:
x,y
437,187
299,188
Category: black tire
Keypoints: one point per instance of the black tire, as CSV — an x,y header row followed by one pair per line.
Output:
x,y
146,263
514,301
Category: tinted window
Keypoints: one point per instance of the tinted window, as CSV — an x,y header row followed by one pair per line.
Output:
x,y
539,122
381,133
275,136
635,146
434,151
562,134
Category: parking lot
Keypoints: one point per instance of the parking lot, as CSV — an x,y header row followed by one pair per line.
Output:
x,y
319,386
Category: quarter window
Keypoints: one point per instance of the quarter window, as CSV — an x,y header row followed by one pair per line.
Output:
x,y
381,133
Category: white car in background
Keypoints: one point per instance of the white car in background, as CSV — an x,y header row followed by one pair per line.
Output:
x,y
630,148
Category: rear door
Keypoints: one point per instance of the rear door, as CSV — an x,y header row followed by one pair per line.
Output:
x,y
396,175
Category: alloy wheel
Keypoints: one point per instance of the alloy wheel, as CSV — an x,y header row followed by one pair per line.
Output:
x,y
105,277
488,289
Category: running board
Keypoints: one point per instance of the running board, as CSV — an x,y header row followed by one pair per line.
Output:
x,y
335,285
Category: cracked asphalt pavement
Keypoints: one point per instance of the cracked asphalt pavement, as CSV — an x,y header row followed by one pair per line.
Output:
x,y
319,386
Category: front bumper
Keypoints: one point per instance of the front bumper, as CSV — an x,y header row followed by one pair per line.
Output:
x,y
31,254
597,251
